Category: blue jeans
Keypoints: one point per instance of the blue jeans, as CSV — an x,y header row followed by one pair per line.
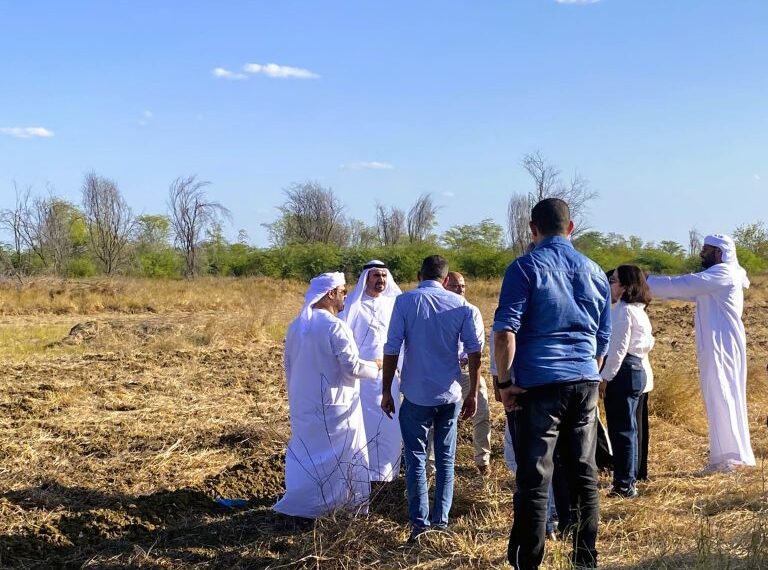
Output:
x,y
415,422
550,413
621,399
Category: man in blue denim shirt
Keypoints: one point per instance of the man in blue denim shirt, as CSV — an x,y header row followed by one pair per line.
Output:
x,y
430,321
552,328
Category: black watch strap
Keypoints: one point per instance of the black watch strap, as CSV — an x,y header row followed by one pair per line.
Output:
x,y
504,385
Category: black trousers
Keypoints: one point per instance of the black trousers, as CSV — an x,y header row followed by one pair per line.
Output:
x,y
642,437
549,413
621,399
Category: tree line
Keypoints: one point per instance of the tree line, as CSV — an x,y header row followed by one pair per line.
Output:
x,y
101,235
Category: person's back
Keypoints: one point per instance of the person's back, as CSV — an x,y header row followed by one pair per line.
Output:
x,y
430,321
557,339
552,326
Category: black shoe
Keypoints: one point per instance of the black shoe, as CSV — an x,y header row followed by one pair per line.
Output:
x,y
625,493
439,527
415,534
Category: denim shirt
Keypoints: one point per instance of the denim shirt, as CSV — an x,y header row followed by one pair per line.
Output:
x,y
558,303
431,321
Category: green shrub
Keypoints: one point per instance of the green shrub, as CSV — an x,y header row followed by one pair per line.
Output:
x,y
658,261
750,261
81,267
483,261
162,263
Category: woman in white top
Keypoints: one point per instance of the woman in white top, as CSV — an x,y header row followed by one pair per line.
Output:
x,y
624,374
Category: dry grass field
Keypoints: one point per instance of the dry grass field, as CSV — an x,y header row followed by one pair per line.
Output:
x,y
116,437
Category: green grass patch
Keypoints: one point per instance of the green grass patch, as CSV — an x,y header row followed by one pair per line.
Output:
x,y
18,341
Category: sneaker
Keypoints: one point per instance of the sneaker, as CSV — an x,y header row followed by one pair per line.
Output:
x,y
625,493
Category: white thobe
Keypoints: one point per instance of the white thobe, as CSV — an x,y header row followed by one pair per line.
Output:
x,y
722,354
326,463
385,442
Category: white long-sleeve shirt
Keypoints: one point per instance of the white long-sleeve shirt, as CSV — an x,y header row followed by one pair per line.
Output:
x,y
631,334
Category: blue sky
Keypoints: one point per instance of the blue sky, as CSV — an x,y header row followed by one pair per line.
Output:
x,y
661,105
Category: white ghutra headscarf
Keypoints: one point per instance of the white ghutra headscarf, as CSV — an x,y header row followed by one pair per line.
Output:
x,y
728,248
318,288
355,298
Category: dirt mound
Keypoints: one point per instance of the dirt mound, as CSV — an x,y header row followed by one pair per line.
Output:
x,y
89,332
259,479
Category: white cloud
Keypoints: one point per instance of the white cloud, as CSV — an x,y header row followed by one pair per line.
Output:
x,y
367,165
279,71
577,1
222,73
448,194
26,132
145,117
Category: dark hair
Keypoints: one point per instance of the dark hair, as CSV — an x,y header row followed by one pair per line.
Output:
x,y
632,278
434,267
551,216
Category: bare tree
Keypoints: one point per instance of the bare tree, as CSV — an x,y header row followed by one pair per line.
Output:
x,y
28,218
422,217
191,213
361,234
694,241
311,213
547,183
546,177
55,219
12,221
518,216
109,221
390,223
47,227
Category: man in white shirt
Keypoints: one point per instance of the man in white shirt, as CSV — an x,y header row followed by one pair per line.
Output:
x,y
326,463
367,312
721,346
481,421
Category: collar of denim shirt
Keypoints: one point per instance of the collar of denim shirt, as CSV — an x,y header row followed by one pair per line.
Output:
x,y
554,239
430,283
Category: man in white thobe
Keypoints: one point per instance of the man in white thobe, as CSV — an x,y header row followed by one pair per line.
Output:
x,y
721,347
367,312
326,463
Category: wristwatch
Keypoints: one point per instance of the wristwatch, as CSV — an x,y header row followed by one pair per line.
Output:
x,y
504,385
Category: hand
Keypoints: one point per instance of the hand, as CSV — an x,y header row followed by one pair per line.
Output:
x,y
463,362
603,387
388,404
469,407
509,398
379,363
